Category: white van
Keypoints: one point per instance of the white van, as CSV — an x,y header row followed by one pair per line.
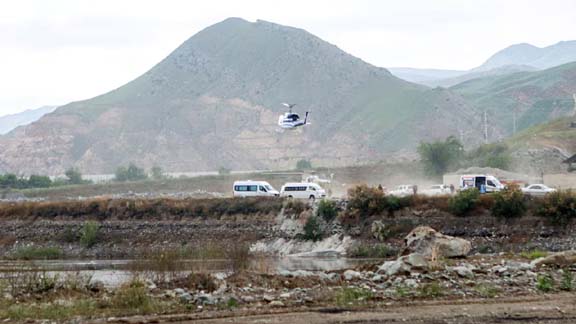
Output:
x,y
302,190
490,183
251,188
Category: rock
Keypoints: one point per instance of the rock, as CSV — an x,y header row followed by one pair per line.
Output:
x,y
379,231
248,299
411,283
204,299
268,298
560,259
432,244
377,278
464,272
285,295
276,303
179,291
351,274
519,266
404,265
185,297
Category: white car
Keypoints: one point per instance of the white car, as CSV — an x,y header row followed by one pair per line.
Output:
x,y
437,190
302,190
251,188
537,189
402,190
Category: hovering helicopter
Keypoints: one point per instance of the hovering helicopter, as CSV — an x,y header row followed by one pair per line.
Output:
x,y
291,120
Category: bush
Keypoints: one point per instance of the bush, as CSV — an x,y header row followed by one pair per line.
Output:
x,y
327,209
130,173
351,295
544,283
567,282
239,256
431,290
464,201
303,165
534,254
509,203
559,207
74,176
133,295
37,253
89,234
295,206
157,173
313,230
365,201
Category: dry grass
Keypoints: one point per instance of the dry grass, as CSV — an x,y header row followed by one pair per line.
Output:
x,y
103,209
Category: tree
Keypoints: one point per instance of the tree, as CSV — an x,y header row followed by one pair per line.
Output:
x,y
74,176
495,155
303,164
438,157
9,180
157,173
130,173
38,181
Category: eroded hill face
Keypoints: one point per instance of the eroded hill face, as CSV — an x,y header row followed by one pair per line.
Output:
x,y
215,100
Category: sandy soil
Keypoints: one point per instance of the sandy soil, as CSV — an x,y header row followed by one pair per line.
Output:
x,y
557,308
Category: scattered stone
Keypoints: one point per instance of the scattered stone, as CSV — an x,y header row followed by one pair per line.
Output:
x,y
276,303
268,298
185,297
404,265
464,272
351,274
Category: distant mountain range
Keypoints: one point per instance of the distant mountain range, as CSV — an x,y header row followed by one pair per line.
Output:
x,y
516,58
10,122
214,102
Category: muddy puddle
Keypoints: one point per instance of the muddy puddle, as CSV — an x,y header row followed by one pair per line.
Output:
x,y
113,273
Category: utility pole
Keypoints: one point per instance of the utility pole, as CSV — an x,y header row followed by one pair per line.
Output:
x,y
485,128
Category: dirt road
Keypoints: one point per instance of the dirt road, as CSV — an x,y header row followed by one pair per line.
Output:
x,y
558,308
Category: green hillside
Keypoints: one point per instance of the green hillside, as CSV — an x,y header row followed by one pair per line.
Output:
x,y
534,97
214,102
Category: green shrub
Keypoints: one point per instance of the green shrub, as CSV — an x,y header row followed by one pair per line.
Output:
x,y
487,291
89,234
509,203
567,282
37,253
352,295
303,165
431,290
295,206
133,295
365,201
558,207
544,283
464,201
313,230
327,209
534,254
130,173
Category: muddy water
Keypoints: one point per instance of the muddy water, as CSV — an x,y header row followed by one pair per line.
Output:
x,y
113,273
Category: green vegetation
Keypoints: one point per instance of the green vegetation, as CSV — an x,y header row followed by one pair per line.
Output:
x,y
157,173
37,253
534,254
487,290
464,201
495,155
567,281
295,206
89,234
545,283
327,209
352,295
364,201
509,203
134,296
74,177
559,207
130,173
432,289
312,230
438,157
303,165
11,181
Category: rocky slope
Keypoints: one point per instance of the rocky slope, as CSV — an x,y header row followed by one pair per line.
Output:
x,y
215,100
9,122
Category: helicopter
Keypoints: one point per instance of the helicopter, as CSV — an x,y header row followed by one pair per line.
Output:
x,y
291,120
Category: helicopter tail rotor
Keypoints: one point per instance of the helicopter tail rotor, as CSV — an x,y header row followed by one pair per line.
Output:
x,y
306,118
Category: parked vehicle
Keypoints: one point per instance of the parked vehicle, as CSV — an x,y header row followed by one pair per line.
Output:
x,y
302,190
437,190
537,189
484,183
403,190
251,188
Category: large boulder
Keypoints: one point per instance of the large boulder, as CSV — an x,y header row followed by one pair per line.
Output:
x,y
432,244
560,259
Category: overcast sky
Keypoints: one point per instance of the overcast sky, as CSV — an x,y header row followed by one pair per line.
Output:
x,y
57,51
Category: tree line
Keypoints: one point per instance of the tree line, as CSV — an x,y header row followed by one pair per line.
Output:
x,y
13,181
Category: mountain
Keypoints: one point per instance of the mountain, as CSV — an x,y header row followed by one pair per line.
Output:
x,y
214,102
424,76
529,97
9,122
515,58
530,55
